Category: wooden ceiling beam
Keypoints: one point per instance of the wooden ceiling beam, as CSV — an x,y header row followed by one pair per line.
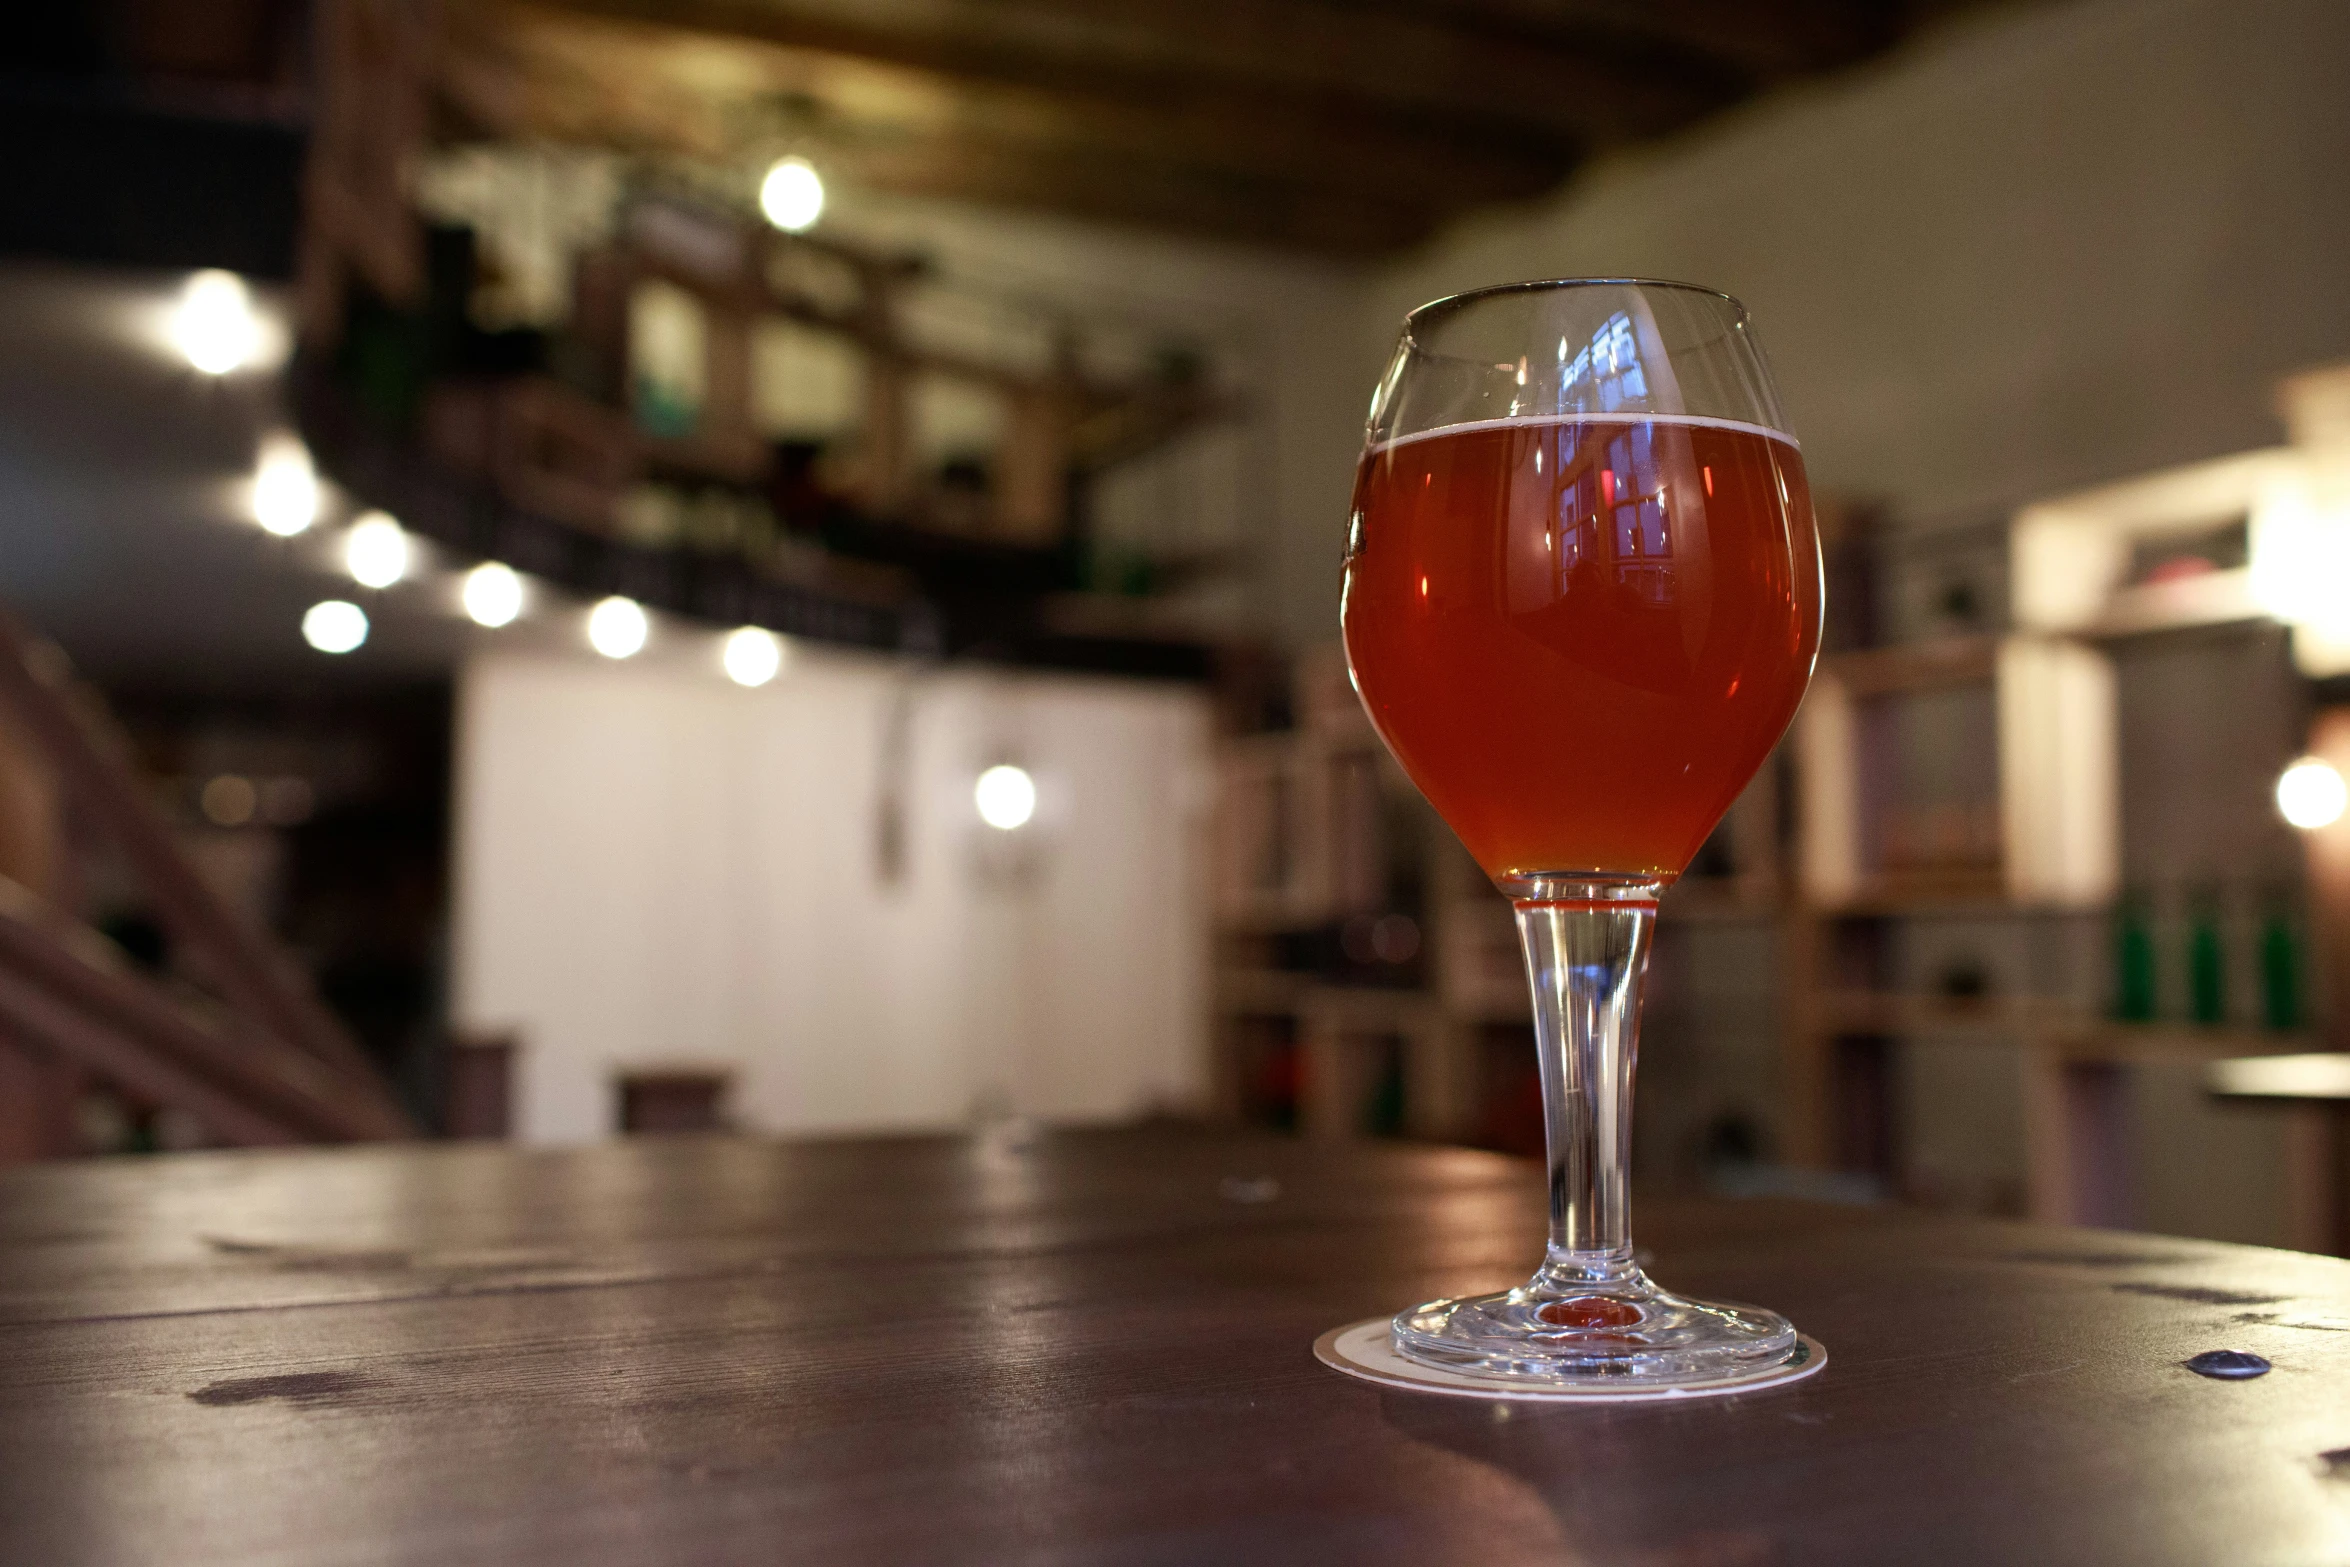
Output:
x,y
623,71
1332,123
1366,158
1754,43
1076,181
1120,191
1214,55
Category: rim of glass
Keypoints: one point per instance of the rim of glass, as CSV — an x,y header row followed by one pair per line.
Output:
x,y
1451,302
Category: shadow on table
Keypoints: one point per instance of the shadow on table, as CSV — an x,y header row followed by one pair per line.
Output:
x,y
1605,1474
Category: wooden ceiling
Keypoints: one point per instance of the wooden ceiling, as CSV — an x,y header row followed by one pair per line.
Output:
x,y
1352,127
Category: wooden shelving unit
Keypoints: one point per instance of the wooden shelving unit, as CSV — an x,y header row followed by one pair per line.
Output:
x,y
1315,823
1303,842
1302,848
2056,847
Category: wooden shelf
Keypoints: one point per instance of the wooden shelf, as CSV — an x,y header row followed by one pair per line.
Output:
x,y
2049,1024
2070,556
2057,802
1759,897
1279,992
2212,598
1889,1012
1981,891
2106,1040
1920,666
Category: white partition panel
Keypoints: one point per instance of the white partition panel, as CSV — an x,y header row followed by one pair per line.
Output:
x,y
2059,773
656,866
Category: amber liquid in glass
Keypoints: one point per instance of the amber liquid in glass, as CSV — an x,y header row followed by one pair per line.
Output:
x,y
1582,636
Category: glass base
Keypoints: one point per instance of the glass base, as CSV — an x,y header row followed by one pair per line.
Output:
x,y
1624,1332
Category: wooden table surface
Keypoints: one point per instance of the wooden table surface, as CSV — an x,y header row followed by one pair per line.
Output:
x,y
1088,1348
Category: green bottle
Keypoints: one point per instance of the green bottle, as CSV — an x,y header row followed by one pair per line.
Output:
x,y
2280,969
2133,955
2207,967
1383,1113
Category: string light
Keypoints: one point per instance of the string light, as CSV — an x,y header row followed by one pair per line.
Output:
x,y
792,195
2311,794
617,627
376,551
1005,796
215,326
285,487
335,626
752,656
492,594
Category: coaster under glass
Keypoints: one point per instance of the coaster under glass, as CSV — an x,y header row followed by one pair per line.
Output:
x,y
1366,1350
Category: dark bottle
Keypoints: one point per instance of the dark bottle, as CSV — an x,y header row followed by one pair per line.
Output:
x,y
2280,968
2133,957
2207,964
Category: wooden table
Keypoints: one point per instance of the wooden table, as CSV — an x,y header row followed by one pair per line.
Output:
x,y
1088,1348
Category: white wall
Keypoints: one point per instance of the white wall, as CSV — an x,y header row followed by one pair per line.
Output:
x,y
653,865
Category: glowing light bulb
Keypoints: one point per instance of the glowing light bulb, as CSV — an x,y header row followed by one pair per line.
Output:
x,y
792,194
376,551
335,626
1005,796
2311,794
752,656
492,594
2300,549
285,487
617,627
215,326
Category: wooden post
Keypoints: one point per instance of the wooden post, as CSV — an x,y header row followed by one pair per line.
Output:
x,y
2077,1140
2317,1178
2317,1147
1032,467
1807,1081
674,1098
375,58
886,431
1866,1126
601,279
2327,855
37,1096
1441,1079
727,335
477,1085
1326,1104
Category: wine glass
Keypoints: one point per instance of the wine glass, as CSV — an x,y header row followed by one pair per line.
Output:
x,y
1582,602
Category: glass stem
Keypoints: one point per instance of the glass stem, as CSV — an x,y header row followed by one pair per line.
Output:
x,y
1586,944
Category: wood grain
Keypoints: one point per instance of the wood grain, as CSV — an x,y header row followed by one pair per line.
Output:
x,y
1339,127
1084,1348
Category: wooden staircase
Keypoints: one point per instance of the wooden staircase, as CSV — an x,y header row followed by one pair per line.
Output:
x,y
243,1045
